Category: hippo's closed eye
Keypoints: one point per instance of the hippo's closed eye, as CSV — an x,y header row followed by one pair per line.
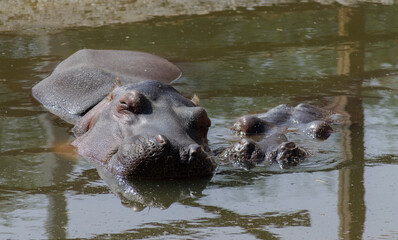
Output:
x,y
132,101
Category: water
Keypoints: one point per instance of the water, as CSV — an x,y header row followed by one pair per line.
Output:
x,y
238,60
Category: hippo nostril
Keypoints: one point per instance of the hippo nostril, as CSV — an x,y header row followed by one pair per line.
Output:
x,y
290,145
244,141
194,151
247,144
161,139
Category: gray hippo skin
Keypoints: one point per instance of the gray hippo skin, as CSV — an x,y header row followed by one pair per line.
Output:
x,y
82,80
142,129
264,138
313,121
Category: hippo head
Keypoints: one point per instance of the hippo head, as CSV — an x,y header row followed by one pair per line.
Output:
x,y
146,130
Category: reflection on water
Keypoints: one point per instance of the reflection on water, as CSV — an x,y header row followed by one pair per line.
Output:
x,y
139,194
351,63
238,62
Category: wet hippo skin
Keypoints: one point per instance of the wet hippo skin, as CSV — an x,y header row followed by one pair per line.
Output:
x,y
263,137
313,121
141,128
82,80
275,148
129,121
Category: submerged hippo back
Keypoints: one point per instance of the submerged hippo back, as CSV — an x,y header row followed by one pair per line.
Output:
x,y
82,80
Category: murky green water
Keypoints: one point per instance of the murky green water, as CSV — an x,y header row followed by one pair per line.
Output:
x,y
237,61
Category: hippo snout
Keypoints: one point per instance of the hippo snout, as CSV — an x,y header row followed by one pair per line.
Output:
x,y
158,157
272,149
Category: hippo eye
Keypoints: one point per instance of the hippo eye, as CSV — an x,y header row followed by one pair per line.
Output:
x,y
133,102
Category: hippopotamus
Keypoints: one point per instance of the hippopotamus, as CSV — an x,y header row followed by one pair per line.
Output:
x,y
127,119
264,136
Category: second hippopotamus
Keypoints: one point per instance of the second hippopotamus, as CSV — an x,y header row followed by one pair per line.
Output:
x,y
264,139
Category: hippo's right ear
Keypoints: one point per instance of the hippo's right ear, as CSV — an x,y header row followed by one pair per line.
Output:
x,y
195,100
87,121
116,83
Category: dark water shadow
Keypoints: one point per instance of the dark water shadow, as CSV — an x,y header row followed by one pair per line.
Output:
x,y
139,194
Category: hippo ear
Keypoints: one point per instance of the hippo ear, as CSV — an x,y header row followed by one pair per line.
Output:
x,y
195,100
116,83
86,77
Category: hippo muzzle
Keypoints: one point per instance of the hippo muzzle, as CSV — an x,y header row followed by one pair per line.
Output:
x,y
146,130
157,157
272,149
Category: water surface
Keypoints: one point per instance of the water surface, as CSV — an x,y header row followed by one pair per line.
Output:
x,y
238,61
